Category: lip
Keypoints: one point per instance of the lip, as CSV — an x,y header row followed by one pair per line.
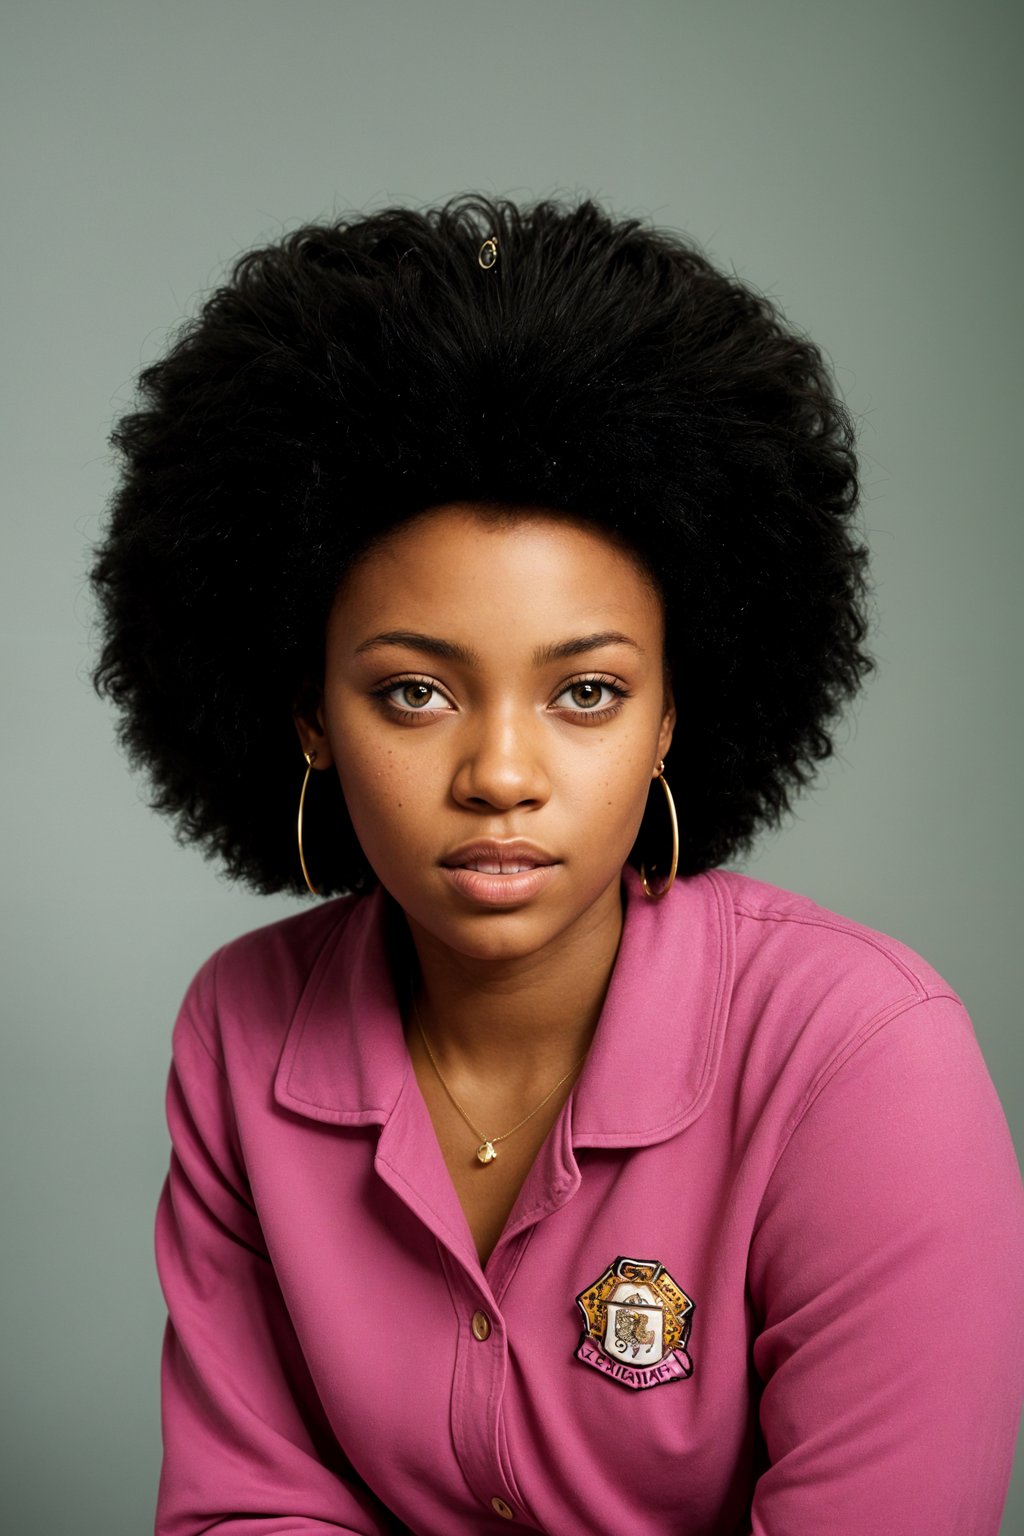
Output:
x,y
523,870
512,857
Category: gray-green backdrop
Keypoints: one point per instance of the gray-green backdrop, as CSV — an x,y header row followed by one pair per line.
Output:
x,y
857,162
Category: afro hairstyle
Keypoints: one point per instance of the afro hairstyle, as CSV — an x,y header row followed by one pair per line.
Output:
x,y
357,372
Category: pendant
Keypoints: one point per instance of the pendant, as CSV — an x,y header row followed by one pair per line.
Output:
x,y
486,1153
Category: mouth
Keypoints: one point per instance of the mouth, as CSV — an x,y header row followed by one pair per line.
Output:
x,y
491,874
498,858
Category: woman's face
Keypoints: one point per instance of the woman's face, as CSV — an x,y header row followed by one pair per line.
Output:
x,y
495,706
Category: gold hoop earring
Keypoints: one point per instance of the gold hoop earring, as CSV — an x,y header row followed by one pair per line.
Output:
x,y
649,890
310,760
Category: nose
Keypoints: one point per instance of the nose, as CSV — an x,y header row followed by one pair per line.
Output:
x,y
501,767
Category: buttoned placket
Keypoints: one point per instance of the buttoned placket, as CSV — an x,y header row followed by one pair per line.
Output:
x,y
482,1349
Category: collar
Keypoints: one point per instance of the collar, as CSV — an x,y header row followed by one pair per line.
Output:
x,y
654,1056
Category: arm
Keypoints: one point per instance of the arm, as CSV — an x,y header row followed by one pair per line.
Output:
x,y
888,1273
248,1450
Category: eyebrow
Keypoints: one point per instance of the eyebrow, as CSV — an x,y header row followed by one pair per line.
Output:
x,y
411,640
566,648
450,650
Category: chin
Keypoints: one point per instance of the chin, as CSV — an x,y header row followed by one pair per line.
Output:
x,y
496,936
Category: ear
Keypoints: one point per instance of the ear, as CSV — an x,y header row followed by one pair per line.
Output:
x,y
308,715
668,722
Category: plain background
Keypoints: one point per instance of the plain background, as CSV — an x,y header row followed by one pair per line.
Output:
x,y
858,163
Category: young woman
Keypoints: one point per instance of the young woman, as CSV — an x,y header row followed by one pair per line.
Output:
x,y
546,1172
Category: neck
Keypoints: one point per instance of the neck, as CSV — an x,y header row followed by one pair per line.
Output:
x,y
523,1017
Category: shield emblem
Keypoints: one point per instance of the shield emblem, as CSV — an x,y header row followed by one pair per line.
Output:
x,y
638,1324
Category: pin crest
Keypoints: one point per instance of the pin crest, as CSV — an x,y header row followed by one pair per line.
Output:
x,y
636,1325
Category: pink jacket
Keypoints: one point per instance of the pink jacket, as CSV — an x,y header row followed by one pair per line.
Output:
x,y
765,1275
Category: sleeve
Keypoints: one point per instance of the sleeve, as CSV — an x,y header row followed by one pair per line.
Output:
x,y
248,1450
887,1275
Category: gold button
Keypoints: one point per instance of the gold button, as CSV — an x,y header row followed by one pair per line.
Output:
x,y
481,1326
501,1508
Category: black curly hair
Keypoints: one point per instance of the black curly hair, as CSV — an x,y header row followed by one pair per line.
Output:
x,y
360,371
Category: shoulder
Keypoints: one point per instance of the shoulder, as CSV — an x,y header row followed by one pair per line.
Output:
x,y
252,984
811,989
774,926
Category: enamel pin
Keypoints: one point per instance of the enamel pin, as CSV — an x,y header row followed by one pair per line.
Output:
x,y
636,1325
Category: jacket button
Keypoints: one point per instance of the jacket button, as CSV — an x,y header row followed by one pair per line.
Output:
x,y
481,1326
504,1510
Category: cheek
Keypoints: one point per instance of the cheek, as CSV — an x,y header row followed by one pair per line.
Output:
x,y
383,795
605,798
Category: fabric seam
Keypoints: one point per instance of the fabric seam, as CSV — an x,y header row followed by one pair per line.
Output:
x,y
846,1054
773,914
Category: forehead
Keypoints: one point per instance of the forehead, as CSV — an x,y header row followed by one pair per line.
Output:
x,y
523,573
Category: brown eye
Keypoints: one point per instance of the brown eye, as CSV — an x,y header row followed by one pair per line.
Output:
x,y
413,696
586,695
596,696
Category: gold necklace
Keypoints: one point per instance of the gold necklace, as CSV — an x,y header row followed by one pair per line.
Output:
x,y
485,1152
